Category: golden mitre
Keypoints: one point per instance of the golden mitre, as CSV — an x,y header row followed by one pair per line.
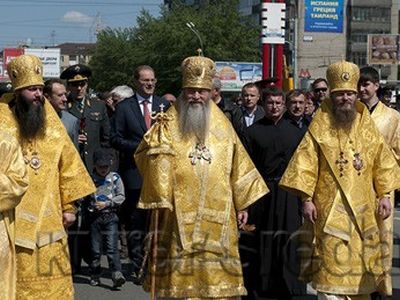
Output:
x,y
25,70
343,76
198,72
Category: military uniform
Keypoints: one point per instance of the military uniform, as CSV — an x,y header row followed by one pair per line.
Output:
x,y
92,114
94,123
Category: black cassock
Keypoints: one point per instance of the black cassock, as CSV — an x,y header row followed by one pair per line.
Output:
x,y
270,265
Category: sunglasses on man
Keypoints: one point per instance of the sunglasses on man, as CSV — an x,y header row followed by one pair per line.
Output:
x,y
320,90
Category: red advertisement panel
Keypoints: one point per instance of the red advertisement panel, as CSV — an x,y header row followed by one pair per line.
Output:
x,y
8,55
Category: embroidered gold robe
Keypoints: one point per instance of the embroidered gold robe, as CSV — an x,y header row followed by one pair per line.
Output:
x,y
388,122
13,185
348,257
43,268
198,203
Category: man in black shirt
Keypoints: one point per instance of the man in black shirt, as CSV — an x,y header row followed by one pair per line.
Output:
x,y
270,257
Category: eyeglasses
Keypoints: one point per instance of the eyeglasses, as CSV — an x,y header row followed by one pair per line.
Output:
x,y
320,90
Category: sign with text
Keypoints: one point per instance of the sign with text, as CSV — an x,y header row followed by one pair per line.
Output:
x,y
234,75
50,59
323,16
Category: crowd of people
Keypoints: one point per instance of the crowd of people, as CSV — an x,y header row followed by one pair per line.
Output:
x,y
207,197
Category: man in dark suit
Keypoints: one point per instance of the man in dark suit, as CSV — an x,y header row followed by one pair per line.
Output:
x,y
252,112
94,133
94,122
54,90
131,121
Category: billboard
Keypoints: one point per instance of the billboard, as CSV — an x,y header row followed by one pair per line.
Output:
x,y
8,55
234,75
383,49
323,16
50,59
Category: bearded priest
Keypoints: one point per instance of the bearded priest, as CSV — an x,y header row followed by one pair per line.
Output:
x,y
344,171
57,177
198,175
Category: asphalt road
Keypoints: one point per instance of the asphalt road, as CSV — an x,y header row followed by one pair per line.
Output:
x,y
83,291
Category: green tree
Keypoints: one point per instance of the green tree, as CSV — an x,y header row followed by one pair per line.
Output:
x,y
164,42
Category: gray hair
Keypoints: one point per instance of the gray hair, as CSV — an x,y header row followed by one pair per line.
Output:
x,y
122,91
217,84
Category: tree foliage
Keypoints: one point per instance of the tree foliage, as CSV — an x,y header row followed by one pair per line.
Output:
x,y
164,42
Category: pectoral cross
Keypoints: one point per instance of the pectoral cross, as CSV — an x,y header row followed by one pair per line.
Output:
x,y
341,162
162,107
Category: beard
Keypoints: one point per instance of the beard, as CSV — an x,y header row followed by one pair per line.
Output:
x,y
343,116
193,119
31,118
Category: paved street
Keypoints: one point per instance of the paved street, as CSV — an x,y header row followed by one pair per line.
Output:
x,y
84,291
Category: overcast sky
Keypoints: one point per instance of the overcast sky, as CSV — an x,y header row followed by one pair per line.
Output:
x,y
44,22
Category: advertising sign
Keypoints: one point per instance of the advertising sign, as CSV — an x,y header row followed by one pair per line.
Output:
x,y
323,16
50,59
234,75
383,49
8,55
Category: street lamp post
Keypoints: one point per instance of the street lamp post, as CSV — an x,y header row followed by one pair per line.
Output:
x,y
191,26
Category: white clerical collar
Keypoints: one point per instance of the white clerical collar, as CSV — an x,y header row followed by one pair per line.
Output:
x,y
141,99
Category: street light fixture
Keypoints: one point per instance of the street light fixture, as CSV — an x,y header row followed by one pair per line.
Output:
x,y
192,27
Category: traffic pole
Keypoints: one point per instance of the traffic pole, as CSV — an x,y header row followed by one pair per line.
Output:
x,y
272,51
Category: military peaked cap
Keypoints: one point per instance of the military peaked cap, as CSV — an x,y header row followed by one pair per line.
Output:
x,y
77,72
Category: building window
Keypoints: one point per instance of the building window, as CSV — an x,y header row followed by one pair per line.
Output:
x,y
359,37
359,58
376,14
72,57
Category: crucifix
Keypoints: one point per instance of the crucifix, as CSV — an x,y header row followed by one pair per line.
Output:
x,y
341,162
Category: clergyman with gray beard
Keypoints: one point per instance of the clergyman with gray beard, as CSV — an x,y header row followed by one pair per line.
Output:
x,y
344,172
193,163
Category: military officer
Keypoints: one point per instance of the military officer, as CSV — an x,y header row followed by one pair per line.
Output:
x,y
94,132
94,122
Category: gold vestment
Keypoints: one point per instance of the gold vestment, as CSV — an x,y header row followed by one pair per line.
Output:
x,y
43,269
13,184
198,203
388,122
348,257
